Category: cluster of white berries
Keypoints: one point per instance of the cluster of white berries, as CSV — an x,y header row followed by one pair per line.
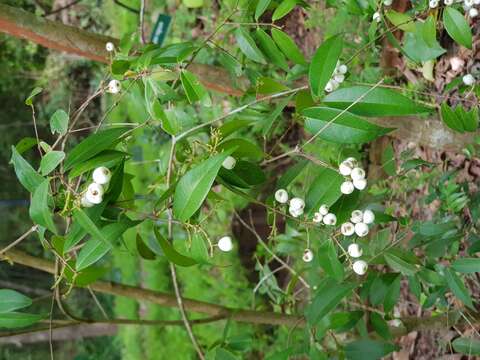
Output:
x,y
358,223
359,266
468,79
468,5
225,244
323,215
94,194
337,78
355,176
296,205
229,163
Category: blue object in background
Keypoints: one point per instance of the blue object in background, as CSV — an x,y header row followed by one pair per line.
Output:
x,y
161,28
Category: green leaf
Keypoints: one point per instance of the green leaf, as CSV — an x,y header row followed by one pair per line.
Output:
x,y
323,64
458,288
467,265
270,49
368,349
401,20
143,249
457,26
242,148
199,250
81,218
467,346
245,174
193,187
459,119
270,119
35,92
194,89
392,295
399,263
12,300
25,144
59,122
248,47
288,46
380,326
173,255
327,297
325,189
422,44
388,161
107,158
328,259
119,67
91,252
262,5
50,161
39,210
13,320
93,145
27,176
283,9
378,102
291,174
347,128
343,321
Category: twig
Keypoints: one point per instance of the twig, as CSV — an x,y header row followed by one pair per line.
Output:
x,y
19,240
142,20
265,246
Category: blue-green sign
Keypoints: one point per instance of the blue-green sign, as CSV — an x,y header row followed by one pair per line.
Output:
x,y
161,28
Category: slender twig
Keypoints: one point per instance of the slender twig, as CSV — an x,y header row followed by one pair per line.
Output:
x,y
60,9
97,302
141,27
19,240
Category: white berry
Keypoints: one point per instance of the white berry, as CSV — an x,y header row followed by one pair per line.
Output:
x,y
354,250
225,244
109,46
360,184
433,4
347,229
307,255
473,12
317,217
376,17
95,189
347,187
329,87
229,163
368,217
281,196
357,216
101,175
476,2
94,198
339,78
295,212
360,267
361,229
114,87
330,219
342,69
448,2
85,203
469,3
345,168
358,173
387,2
352,161
297,204
323,210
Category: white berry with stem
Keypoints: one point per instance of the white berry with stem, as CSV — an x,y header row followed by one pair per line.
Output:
x,y
329,87
468,79
114,87
433,4
225,244
347,229
330,219
360,267
368,217
345,168
95,189
376,17
307,255
347,187
109,46
361,229
317,218
473,13
229,163
93,196
357,173
297,203
357,216
101,175
323,210
360,184
354,250
281,196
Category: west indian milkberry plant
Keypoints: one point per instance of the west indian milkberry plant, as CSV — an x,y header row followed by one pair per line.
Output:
x,y
341,166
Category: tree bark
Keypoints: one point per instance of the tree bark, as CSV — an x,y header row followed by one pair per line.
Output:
x,y
163,299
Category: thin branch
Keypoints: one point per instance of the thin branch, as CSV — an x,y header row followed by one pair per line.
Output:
x,y
141,27
19,240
